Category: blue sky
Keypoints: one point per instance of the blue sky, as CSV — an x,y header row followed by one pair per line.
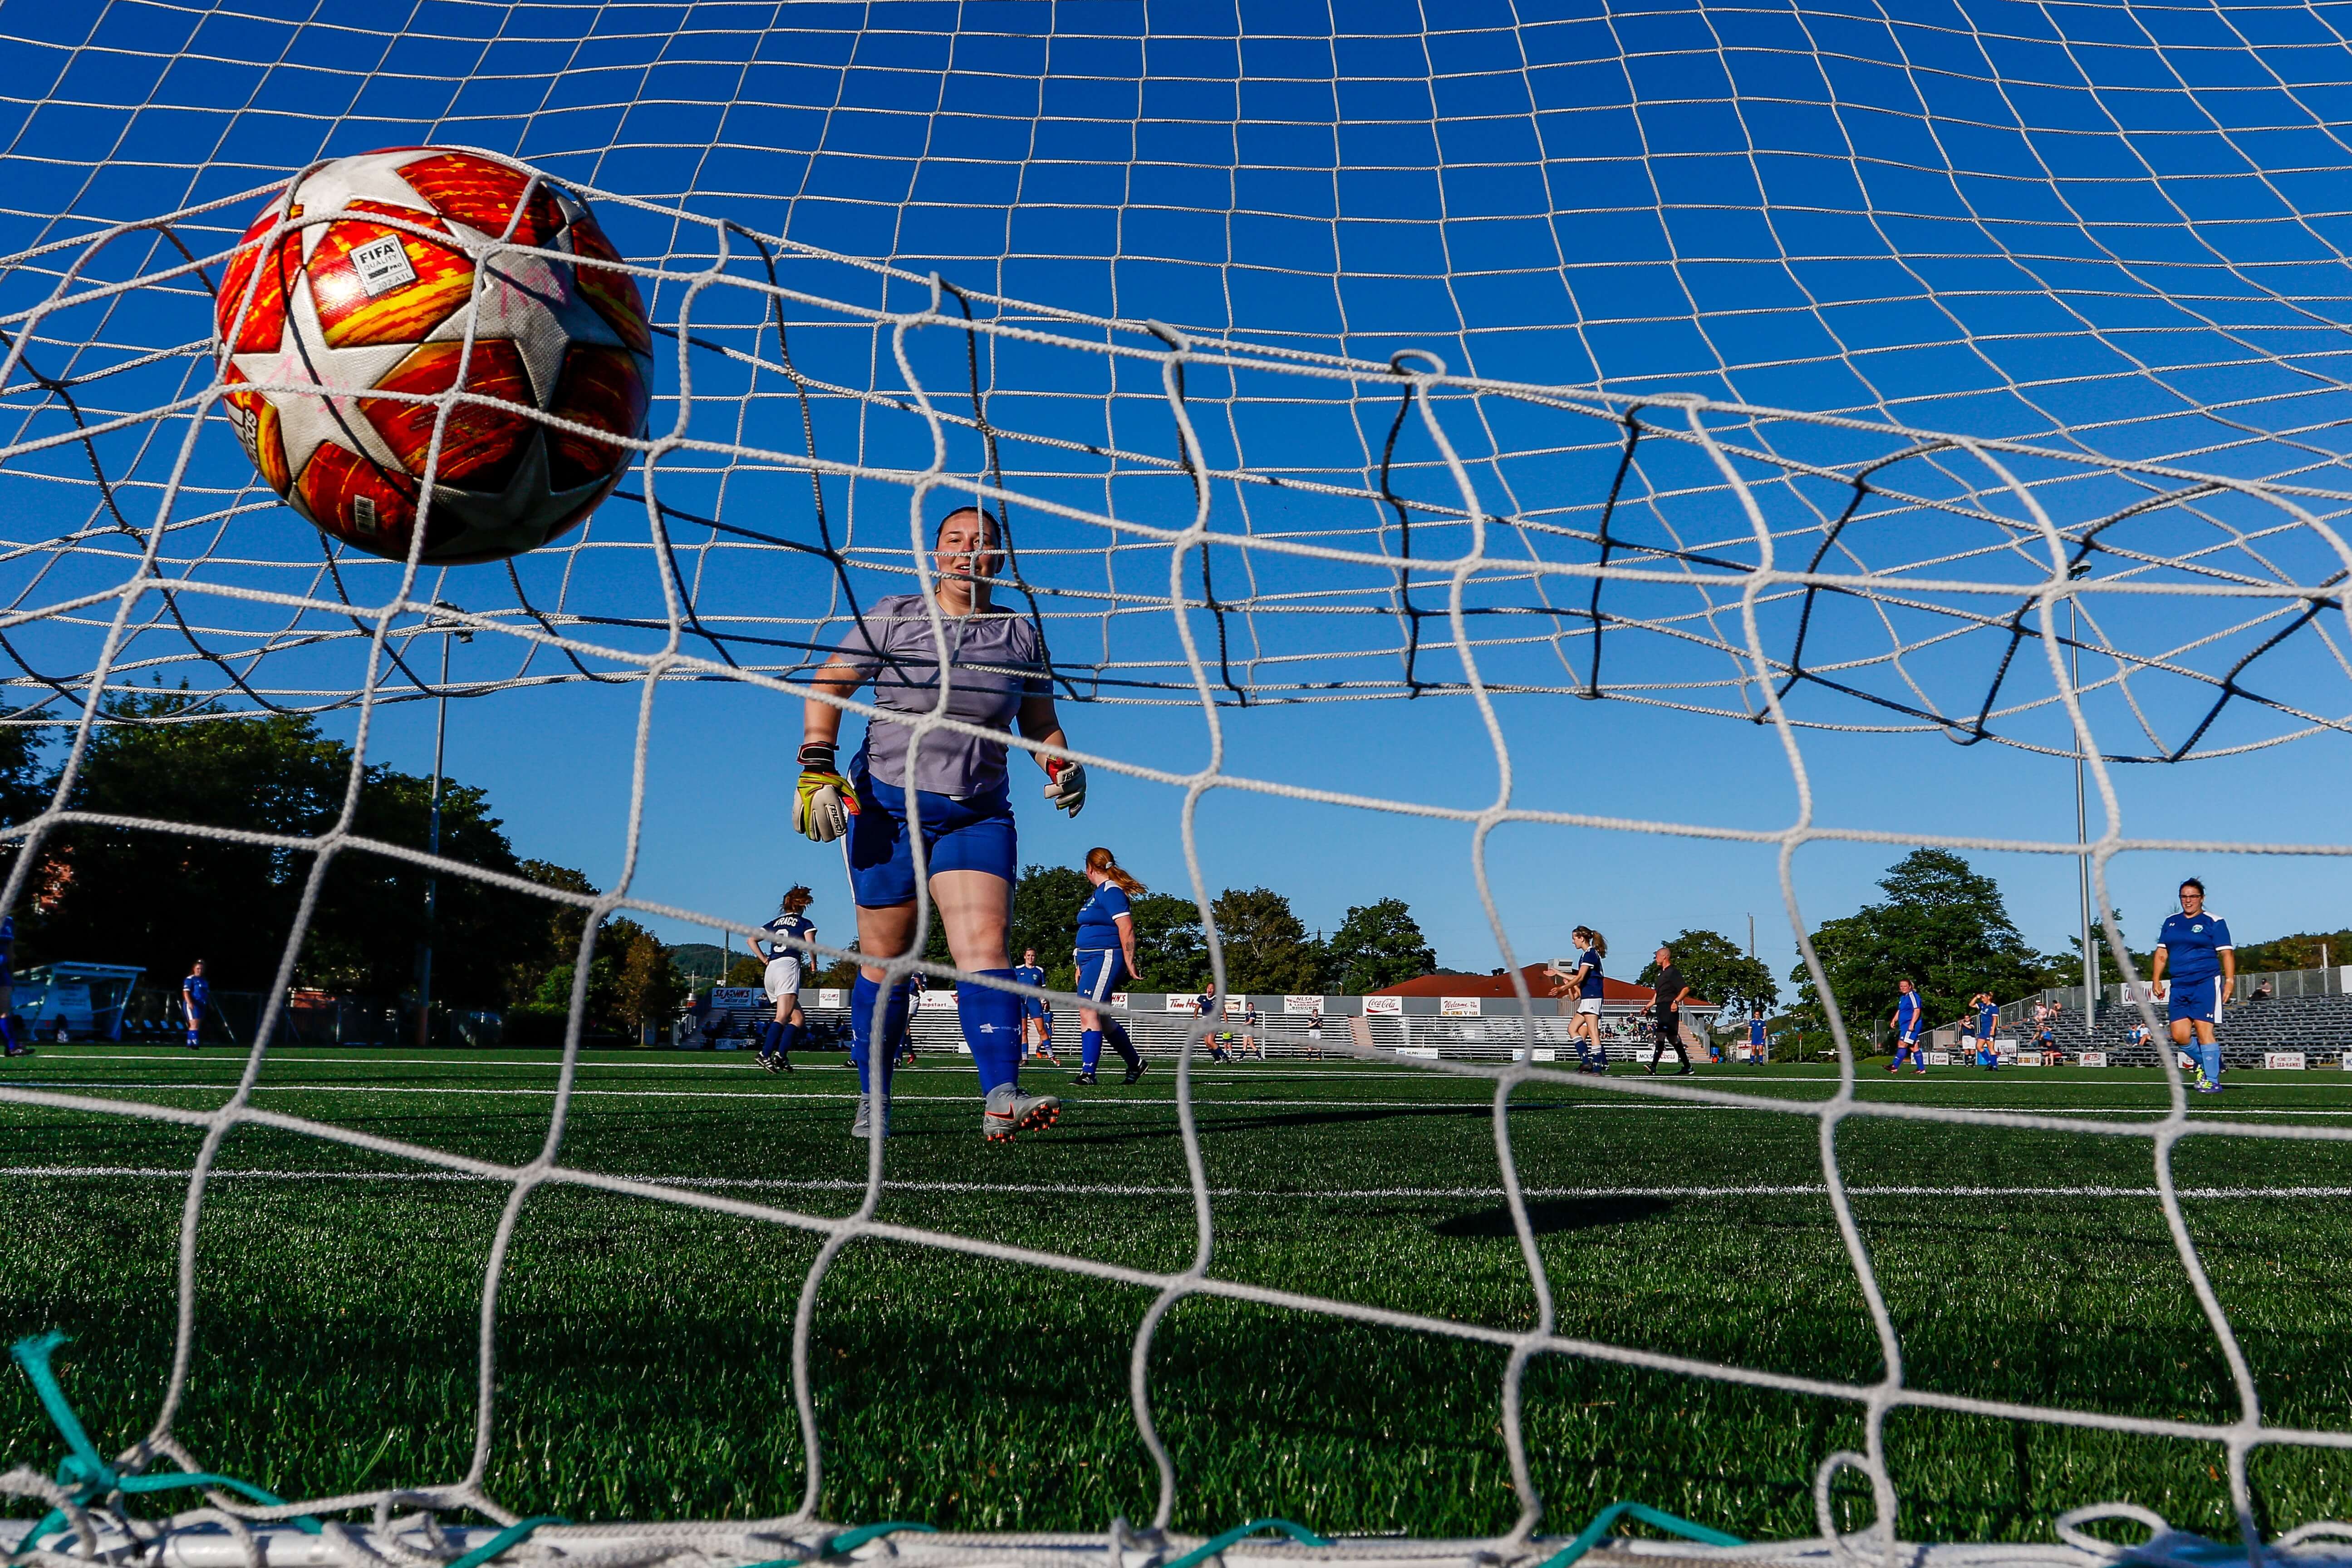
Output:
x,y
2112,230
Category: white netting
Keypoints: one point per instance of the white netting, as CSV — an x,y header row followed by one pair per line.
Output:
x,y
1461,361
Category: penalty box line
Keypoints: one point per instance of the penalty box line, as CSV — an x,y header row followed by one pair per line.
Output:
x,y
839,1183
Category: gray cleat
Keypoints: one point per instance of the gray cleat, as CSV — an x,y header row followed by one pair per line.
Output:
x,y
1009,1110
862,1126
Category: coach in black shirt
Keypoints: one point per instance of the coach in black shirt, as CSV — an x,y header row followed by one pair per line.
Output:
x,y
1671,993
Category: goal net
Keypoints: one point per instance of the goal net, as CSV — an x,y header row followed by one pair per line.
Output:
x,y
1827,376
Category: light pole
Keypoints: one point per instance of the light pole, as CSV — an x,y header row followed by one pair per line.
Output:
x,y
2082,826
433,833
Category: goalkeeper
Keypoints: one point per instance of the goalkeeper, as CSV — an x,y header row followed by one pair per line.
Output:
x,y
951,786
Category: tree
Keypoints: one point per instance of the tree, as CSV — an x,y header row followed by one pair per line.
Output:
x,y
25,788
1266,948
1377,944
647,986
1716,970
1170,947
551,944
1943,927
368,929
1045,903
159,898
2304,949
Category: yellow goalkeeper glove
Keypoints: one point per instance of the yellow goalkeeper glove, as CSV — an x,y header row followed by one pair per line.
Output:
x,y
825,802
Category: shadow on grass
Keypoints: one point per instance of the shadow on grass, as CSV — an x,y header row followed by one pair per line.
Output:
x,y
1549,1217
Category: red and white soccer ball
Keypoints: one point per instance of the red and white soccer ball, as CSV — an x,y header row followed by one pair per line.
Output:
x,y
342,306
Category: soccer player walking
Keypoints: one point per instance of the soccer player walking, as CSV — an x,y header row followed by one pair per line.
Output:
x,y
2195,946
1583,982
1907,1012
1105,955
1988,1030
1211,1009
1671,994
195,996
950,786
1036,1018
783,978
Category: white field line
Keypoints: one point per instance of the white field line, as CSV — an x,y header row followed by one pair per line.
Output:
x,y
822,1183
1483,1103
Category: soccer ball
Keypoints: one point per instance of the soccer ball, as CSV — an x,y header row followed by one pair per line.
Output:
x,y
341,304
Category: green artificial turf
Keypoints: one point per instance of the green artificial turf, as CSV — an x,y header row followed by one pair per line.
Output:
x,y
644,1348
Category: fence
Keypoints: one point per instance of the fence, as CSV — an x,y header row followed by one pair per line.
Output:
x,y
1493,1035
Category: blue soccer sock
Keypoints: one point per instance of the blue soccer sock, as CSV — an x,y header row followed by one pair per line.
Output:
x,y
787,1036
861,1025
1089,1049
2212,1056
991,1027
1116,1033
768,1037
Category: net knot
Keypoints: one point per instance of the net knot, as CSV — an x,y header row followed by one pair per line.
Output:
x,y
1592,1533
84,1473
1217,1543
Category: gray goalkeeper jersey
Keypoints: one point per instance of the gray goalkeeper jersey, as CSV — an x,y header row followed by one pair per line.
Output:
x,y
997,659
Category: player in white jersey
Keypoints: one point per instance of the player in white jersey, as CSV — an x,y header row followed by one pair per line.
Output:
x,y
783,978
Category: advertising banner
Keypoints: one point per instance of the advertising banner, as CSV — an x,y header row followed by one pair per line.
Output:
x,y
1300,1007
832,998
1384,1006
2286,1061
737,997
1457,1006
1177,1003
2092,1058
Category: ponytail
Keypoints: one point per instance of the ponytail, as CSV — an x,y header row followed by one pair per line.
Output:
x,y
1593,940
797,899
1103,860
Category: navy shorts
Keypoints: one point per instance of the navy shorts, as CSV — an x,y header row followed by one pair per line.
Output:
x,y
974,835
1100,969
2197,999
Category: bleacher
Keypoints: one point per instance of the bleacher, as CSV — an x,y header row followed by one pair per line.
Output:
x,y
2308,1011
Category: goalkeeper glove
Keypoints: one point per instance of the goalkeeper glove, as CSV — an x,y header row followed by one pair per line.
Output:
x,y
1066,785
825,802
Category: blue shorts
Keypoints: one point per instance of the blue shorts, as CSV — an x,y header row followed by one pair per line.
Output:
x,y
974,835
2197,999
1100,969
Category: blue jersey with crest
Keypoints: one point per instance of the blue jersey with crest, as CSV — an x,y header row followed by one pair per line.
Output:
x,y
1906,1011
2192,946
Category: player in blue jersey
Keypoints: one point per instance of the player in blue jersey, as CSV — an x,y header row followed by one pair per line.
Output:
x,y
1212,1013
780,1034
2195,947
1583,982
1759,1042
1987,1012
195,997
1036,1018
951,786
10,1043
1908,1015
1106,956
